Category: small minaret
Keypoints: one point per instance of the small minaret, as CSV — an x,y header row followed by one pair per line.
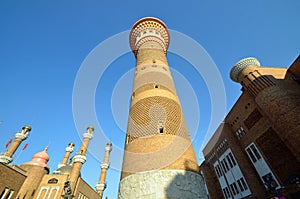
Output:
x,y
69,150
80,157
6,158
101,185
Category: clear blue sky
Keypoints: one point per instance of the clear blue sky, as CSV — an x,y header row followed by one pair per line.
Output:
x,y
44,43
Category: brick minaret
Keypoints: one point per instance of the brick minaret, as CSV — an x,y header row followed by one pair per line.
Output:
x,y
279,102
6,158
80,157
159,159
101,185
69,150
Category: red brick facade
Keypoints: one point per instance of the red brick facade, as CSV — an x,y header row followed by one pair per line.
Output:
x,y
262,132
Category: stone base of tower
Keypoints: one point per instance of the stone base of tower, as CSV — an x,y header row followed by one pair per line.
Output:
x,y
162,184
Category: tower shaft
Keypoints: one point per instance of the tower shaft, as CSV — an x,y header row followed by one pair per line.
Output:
x,y
158,146
69,150
80,157
19,138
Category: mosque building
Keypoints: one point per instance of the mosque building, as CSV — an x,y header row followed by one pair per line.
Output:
x,y
254,153
33,180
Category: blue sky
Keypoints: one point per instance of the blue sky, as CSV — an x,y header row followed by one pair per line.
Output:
x,y
44,43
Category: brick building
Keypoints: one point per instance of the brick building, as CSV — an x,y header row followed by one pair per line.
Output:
x,y
255,152
33,180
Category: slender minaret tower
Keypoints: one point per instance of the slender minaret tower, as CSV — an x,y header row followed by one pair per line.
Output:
x,y
159,159
80,157
280,103
69,150
101,185
6,158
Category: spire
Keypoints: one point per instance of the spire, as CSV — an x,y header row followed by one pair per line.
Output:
x,y
69,150
101,185
7,157
80,157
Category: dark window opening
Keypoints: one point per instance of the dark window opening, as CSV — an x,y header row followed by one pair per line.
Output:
x,y
161,129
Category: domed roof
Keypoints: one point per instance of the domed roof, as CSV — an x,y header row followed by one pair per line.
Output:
x,y
40,159
65,170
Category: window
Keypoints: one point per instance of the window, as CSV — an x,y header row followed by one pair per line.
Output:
x,y
240,132
226,165
251,155
222,163
235,187
229,161
232,158
244,183
227,191
232,189
240,185
161,127
4,193
218,171
253,148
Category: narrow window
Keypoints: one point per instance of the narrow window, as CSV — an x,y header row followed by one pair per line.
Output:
x,y
232,159
250,154
226,165
253,148
161,127
235,187
240,185
232,189
244,183
229,161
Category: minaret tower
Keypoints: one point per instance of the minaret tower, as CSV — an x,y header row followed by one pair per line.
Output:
x,y
159,159
280,103
80,157
101,185
6,158
69,150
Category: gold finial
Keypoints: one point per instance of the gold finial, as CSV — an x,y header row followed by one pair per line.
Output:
x,y
26,128
90,128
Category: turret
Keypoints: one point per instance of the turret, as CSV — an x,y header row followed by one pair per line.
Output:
x,y
101,185
80,157
69,150
7,157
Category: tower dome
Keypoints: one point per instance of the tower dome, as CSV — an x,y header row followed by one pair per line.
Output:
x,y
240,65
40,159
